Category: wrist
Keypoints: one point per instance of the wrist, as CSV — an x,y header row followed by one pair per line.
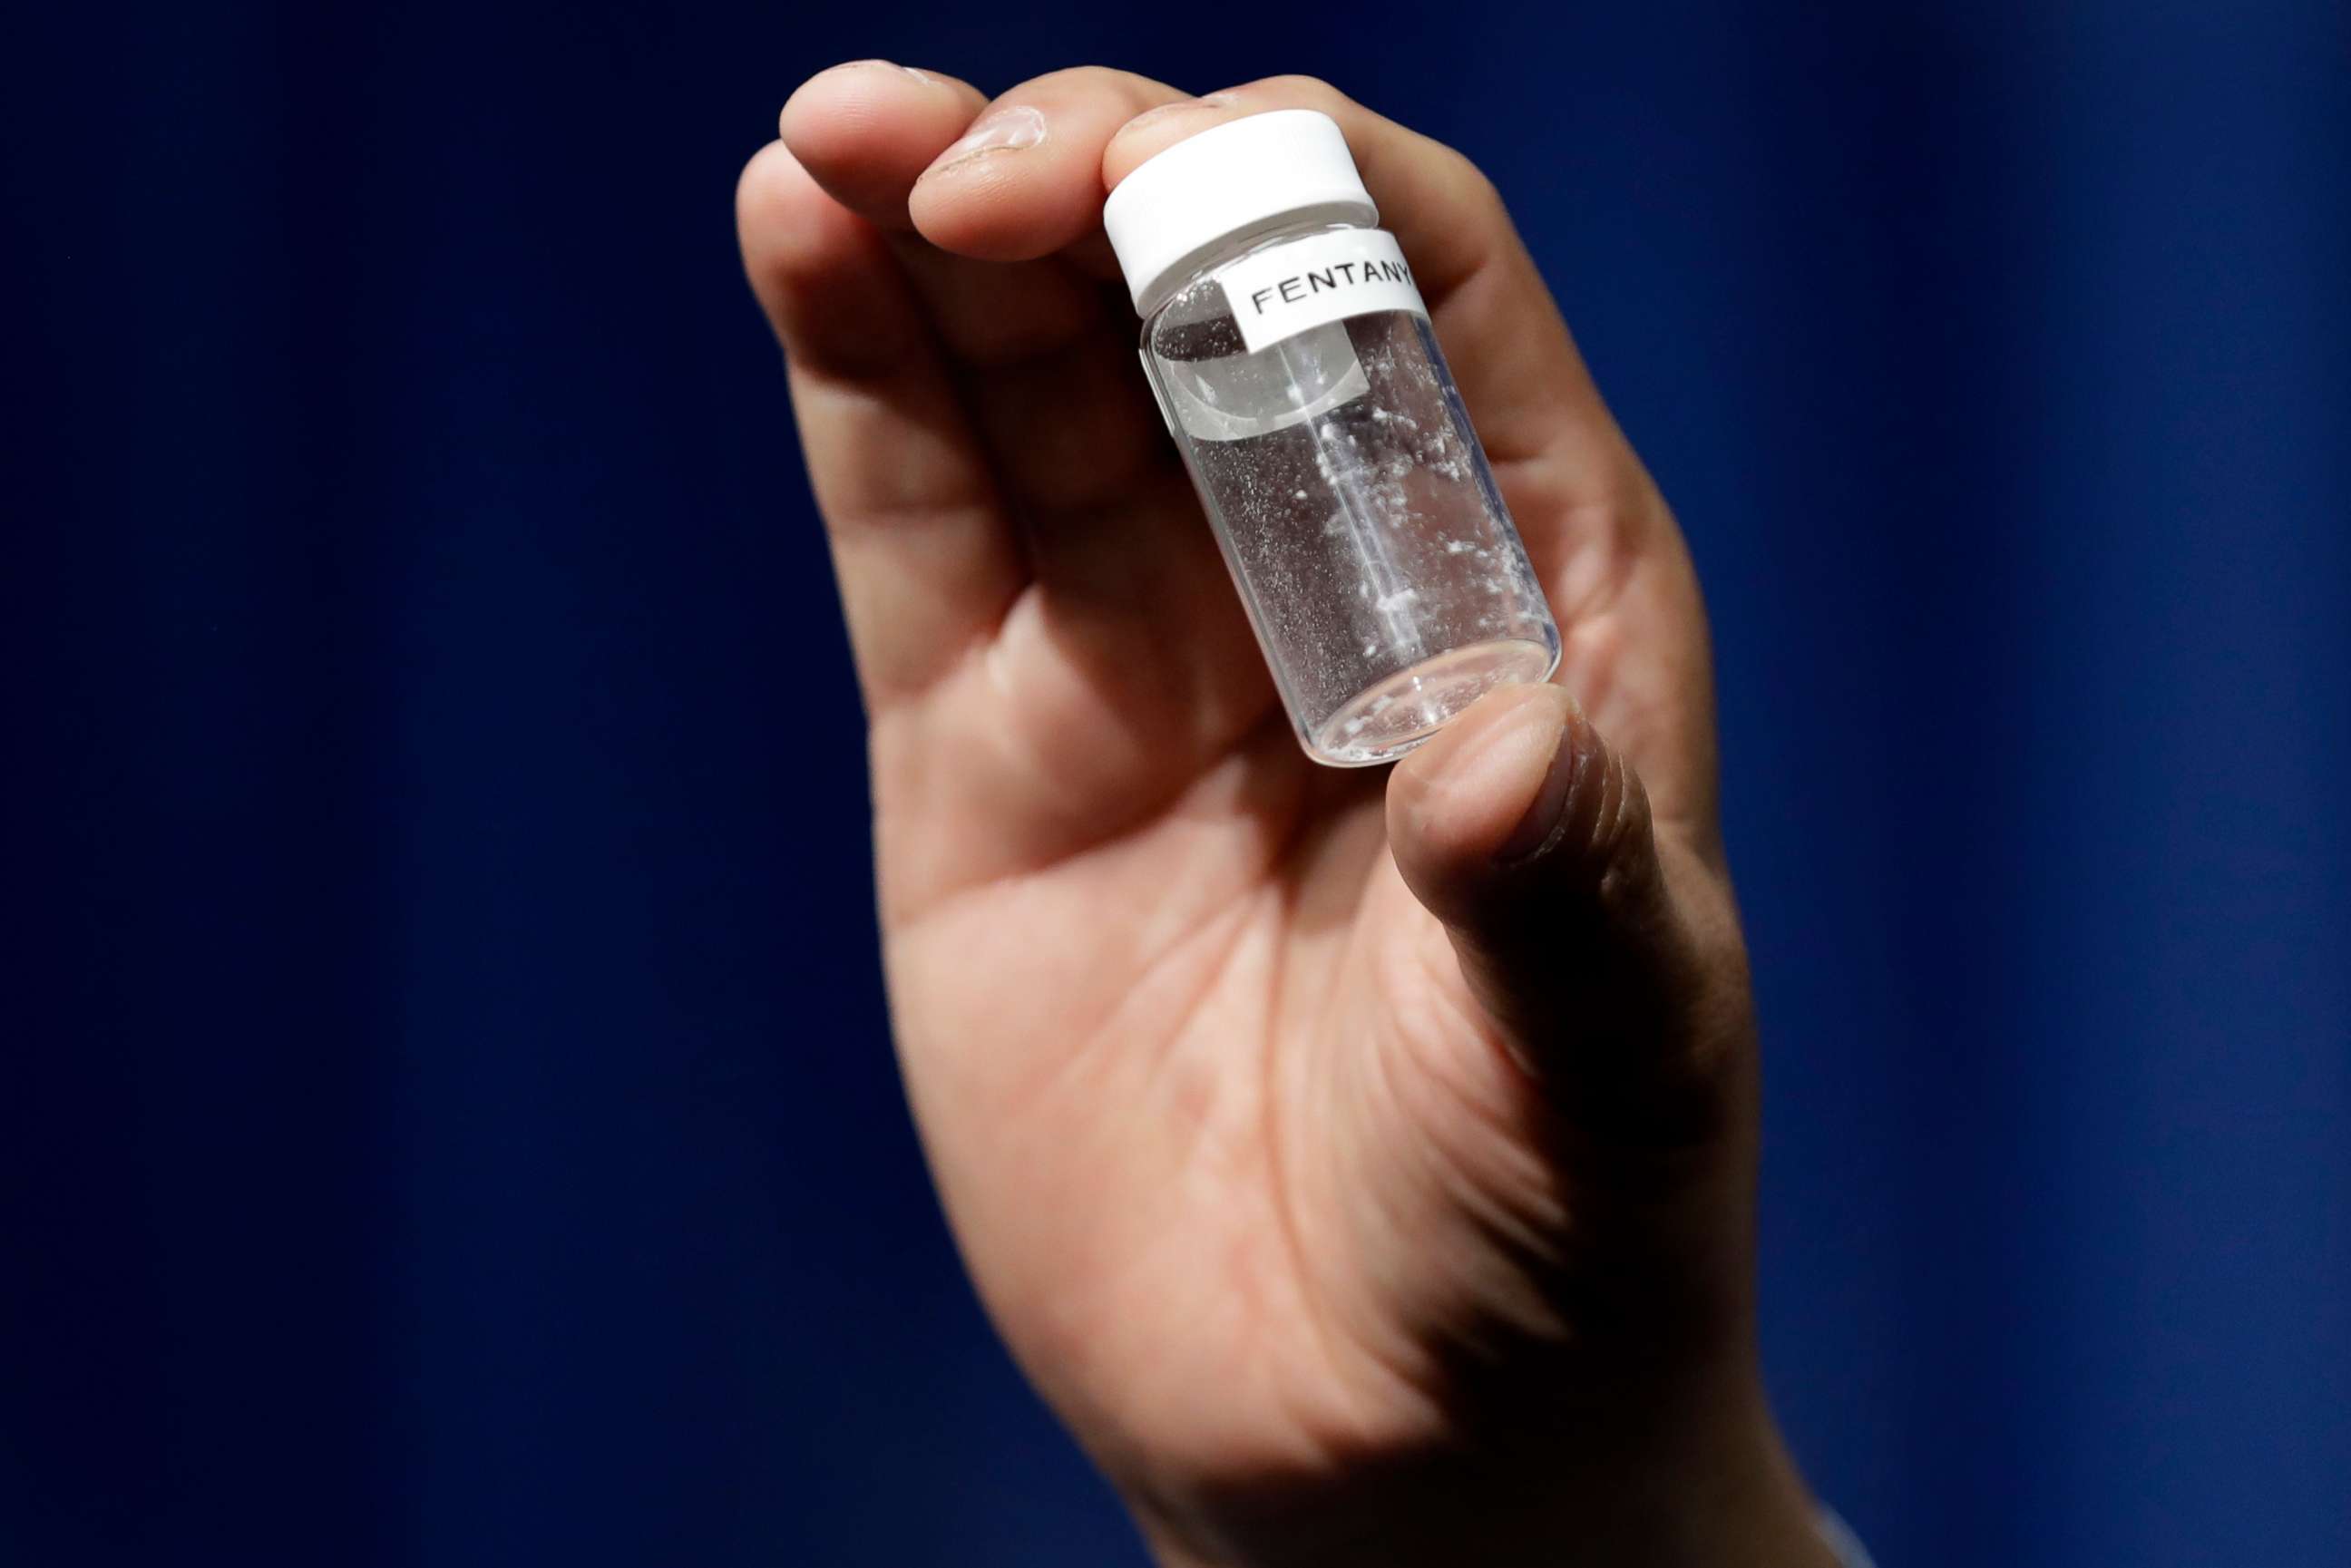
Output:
x,y
1654,1494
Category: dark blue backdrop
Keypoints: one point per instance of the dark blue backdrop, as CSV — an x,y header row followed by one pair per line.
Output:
x,y
446,1115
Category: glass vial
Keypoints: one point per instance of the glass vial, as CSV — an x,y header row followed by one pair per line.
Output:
x,y
1292,358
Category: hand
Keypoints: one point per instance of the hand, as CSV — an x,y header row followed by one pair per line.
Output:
x,y
1361,1163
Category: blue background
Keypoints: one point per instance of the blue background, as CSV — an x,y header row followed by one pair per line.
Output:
x,y
446,1116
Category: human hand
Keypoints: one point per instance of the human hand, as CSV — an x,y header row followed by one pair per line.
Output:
x,y
1362,1166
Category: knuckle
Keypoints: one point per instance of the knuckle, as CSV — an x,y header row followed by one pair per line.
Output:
x,y
1083,84
765,187
1306,91
1472,181
1078,77
789,230
1625,834
1610,814
1464,180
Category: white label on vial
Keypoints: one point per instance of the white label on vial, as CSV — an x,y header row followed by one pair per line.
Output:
x,y
1312,282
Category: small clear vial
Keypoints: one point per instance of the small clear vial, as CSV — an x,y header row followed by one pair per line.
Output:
x,y
1291,355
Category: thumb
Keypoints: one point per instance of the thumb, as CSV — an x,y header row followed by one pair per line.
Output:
x,y
1530,839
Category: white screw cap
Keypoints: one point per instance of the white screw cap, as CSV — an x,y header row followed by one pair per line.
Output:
x,y
1251,175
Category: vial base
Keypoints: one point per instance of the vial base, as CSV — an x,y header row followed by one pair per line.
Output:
x,y
1390,717
1355,508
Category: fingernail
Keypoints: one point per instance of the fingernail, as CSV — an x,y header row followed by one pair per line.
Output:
x,y
1535,829
878,64
1005,129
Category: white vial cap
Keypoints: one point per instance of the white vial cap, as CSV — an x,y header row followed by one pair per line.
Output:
x,y
1255,173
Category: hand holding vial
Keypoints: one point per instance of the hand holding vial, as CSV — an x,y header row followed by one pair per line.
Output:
x,y
1360,1160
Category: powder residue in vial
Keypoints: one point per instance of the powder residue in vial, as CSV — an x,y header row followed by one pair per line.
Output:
x,y
1356,520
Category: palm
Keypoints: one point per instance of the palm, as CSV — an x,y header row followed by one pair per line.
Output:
x,y
1238,1158
1165,1029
